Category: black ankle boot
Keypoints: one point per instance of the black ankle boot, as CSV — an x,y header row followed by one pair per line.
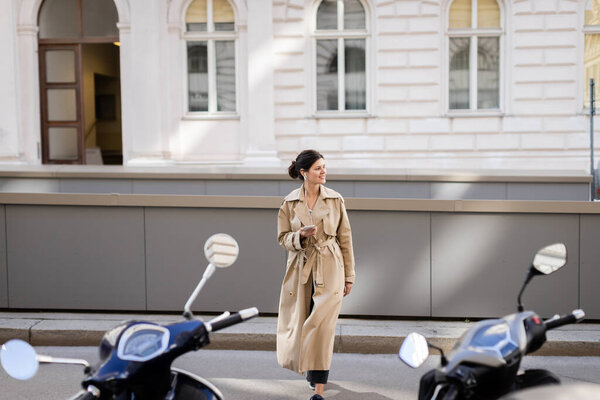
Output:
x,y
317,397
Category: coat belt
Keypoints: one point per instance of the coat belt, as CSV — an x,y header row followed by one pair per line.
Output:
x,y
315,259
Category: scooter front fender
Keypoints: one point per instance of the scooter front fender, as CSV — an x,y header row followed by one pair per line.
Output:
x,y
536,377
187,386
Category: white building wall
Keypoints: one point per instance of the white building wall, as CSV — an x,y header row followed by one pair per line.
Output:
x,y
147,98
541,124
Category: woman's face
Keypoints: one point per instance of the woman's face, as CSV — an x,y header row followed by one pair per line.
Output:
x,y
317,172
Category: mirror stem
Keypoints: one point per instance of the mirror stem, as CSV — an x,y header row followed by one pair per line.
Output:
x,y
530,275
57,360
443,360
210,269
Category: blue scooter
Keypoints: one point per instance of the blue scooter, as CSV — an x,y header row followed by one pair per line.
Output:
x,y
136,356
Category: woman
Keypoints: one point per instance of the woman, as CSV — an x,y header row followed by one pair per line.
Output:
x,y
313,226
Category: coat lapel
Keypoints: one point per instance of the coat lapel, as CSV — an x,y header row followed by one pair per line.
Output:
x,y
301,210
320,210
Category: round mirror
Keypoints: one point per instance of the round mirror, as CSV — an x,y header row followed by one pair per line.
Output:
x,y
414,350
550,258
19,359
221,250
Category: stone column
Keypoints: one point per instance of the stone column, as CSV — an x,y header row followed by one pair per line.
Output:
x,y
29,94
10,150
144,85
260,102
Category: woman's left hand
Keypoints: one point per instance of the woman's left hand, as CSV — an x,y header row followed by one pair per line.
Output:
x,y
347,288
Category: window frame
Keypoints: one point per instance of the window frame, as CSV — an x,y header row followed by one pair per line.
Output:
x,y
210,36
474,34
340,35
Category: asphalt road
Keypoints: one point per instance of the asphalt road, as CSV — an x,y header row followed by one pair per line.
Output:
x,y
254,375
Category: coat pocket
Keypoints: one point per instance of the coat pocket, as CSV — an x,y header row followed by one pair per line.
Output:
x,y
330,225
338,256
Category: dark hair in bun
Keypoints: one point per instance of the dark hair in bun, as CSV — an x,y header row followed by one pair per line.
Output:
x,y
304,161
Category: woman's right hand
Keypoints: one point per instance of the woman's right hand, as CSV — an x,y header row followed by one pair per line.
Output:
x,y
310,231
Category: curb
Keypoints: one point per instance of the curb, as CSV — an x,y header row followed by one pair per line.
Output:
x,y
266,342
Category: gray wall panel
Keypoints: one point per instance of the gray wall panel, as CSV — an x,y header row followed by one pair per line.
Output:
x,y
548,191
346,189
394,190
590,265
242,188
183,187
76,257
479,263
3,271
95,186
287,186
468,190
29,185
392,264
175,240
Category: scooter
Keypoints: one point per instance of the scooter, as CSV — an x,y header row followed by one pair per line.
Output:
x,y
136,356
484,363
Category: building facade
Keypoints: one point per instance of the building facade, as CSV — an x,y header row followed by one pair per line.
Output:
x,y
458,84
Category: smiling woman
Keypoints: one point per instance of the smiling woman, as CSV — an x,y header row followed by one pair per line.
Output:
x,y
313,227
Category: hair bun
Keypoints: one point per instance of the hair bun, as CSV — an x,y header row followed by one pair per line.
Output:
x,y
293,170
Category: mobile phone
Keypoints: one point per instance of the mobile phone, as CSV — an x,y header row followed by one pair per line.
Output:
x,y
307,227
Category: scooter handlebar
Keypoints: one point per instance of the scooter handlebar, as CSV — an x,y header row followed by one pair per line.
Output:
x,y
574,317
233,319
90,394
87,396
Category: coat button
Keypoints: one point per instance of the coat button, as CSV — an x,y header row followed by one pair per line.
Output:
x,y
291,293
336,292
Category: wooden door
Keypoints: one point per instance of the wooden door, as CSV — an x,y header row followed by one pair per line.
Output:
x,y
61,104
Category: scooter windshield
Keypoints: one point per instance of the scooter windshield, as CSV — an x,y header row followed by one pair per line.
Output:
x,y
495,337
143,342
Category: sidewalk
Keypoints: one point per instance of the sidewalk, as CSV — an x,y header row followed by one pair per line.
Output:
x,y
353,335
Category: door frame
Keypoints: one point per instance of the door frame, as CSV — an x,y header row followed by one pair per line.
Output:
x,y
58,43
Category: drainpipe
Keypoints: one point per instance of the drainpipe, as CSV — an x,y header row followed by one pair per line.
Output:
x,y
594,194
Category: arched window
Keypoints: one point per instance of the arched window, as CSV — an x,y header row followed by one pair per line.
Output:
x,y
340,38
591,62
211,47
474,33
78,19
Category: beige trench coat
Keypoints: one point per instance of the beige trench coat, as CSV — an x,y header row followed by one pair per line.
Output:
x,y
323,262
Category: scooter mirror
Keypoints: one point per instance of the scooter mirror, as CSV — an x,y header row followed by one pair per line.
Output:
x,y
414,350
550,258
19,359
221,250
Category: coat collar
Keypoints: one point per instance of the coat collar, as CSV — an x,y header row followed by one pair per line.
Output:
x,y
320,209
324,193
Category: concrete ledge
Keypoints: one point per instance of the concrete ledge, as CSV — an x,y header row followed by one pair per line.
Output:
x,y
274,202
74,332
225,172
16,329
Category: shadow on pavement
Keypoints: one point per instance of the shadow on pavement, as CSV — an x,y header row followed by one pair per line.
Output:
x,y
345,394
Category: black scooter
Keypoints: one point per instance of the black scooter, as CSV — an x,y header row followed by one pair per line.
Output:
x,y
484,363
136,356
